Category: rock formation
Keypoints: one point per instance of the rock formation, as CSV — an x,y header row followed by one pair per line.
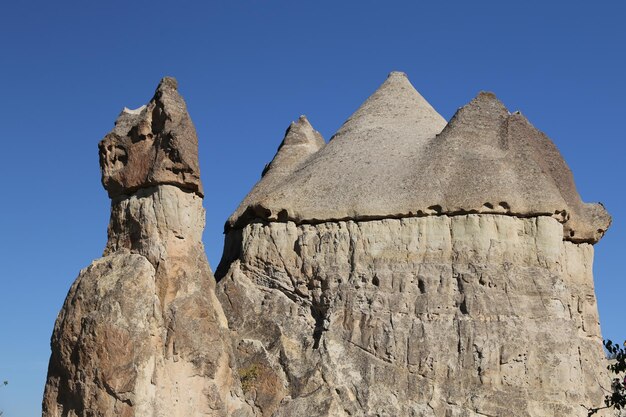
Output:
x,y
414,268
141,333
409,267
393,158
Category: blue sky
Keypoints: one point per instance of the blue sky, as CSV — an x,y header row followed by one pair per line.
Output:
x,y
247,69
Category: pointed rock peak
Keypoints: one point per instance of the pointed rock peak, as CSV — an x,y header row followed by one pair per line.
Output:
x,y
396,81
168,83
301,122
300,142
398,76
397,87
168,102
396,106
154,144
485,104
488,100
485,113
301,132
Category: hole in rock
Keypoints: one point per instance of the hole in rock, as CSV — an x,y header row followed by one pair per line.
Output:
x,y
436,208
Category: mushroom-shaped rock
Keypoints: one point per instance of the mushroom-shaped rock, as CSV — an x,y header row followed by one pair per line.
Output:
x,y
155,144
141,332
300,142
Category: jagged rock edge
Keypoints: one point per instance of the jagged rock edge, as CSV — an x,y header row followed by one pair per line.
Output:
x,y
261,214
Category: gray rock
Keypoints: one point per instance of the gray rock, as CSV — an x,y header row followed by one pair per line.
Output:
x,y
300,142
414,268
391,159
406,268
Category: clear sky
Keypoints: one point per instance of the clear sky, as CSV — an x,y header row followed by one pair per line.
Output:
x,y
247,69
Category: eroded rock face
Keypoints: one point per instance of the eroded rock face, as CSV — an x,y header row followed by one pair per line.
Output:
x,y
411,267
155,144
471,315
141,332
406,268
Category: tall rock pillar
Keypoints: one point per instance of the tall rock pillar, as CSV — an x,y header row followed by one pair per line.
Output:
x,y
141,332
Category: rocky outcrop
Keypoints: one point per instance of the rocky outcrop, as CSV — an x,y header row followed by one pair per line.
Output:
x,y
414,268
141,332
408,267
300,143
470,315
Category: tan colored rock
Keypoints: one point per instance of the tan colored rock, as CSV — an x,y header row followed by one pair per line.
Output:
x,y
300,142
470,315
406,268
491,161
393,158
414,268
141,332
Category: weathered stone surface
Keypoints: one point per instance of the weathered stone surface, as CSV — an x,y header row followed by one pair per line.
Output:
x,y
488,160
406,268
471,315
391,159
414,268
360,171
155,144
141,332
300,142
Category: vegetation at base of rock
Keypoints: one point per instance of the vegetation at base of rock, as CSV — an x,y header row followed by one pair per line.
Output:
x,y
248,377
617,398
3,384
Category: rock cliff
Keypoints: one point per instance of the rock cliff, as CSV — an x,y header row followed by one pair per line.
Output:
x,y
409,267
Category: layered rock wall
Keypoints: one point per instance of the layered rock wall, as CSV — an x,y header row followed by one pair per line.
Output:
x,y
470,315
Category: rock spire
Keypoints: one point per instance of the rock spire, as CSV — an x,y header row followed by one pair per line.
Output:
x,y
141,332
300,142
155,144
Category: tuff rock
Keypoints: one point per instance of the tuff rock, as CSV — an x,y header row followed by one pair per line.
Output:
x,y
154,144
469,315
409,267
396,157
141,332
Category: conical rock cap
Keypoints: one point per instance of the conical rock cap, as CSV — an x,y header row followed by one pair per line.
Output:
x,y
393,158
300,142
488,160
364,168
